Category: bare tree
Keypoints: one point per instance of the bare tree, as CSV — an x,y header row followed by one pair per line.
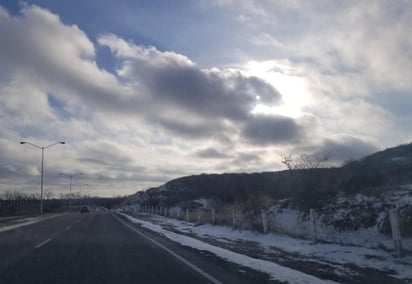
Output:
x,y
14,195
304,161
48,194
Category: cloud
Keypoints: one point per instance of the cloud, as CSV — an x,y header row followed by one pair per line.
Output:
x,y
249,158
158,105
44,56
211,153
176,81
346,148
272,130
348,53
350,116
194,102
191,129
162,114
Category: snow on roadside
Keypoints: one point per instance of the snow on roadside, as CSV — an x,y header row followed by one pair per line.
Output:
x,y
331,253
25,222
357,220
276,272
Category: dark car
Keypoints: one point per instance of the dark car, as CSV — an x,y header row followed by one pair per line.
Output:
x,y
84,209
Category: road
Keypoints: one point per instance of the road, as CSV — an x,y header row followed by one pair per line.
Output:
x,y
101,247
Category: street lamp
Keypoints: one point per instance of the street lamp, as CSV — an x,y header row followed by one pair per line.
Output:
x,y
80,188
80,192
42,166
70,185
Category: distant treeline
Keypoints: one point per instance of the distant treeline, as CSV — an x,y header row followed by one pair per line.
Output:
x,y
13,202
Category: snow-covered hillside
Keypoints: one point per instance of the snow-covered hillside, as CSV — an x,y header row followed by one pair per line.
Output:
x,y
356,220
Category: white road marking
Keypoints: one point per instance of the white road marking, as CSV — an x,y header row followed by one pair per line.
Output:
x,y
43,243
194,267
67,228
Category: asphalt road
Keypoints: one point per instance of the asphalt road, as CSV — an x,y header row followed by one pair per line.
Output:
x,y
102,248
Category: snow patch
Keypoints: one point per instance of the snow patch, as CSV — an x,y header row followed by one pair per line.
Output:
x,y
276,272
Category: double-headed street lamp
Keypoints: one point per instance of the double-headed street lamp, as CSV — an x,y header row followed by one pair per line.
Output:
x,y
70,185
42,166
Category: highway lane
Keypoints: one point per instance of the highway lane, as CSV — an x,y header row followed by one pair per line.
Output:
x,y
100,248
18,243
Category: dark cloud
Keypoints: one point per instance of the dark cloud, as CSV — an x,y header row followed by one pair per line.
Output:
x,y
211,153
177,82
177,91
247,158
207,94
108,155
346,149
8,171
266,130
195,130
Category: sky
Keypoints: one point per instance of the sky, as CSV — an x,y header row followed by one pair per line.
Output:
x,y
146,91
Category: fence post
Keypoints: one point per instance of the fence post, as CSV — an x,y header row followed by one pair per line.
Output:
x,y
213,217
313,225
264,221
233,218
178,213
187,214
396,233
198,215
165,211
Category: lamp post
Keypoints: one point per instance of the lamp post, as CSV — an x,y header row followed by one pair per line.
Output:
x,y
42,166
86,184
81,200
70,185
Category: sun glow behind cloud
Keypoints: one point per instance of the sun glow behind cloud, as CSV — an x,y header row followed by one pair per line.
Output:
x,y
284,77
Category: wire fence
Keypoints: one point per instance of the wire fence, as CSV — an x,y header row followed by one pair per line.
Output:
x,y
263,221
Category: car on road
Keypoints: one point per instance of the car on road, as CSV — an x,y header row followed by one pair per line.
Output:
x,y
84,209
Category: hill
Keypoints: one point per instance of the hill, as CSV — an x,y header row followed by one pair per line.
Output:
x,y
350,203
376,173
